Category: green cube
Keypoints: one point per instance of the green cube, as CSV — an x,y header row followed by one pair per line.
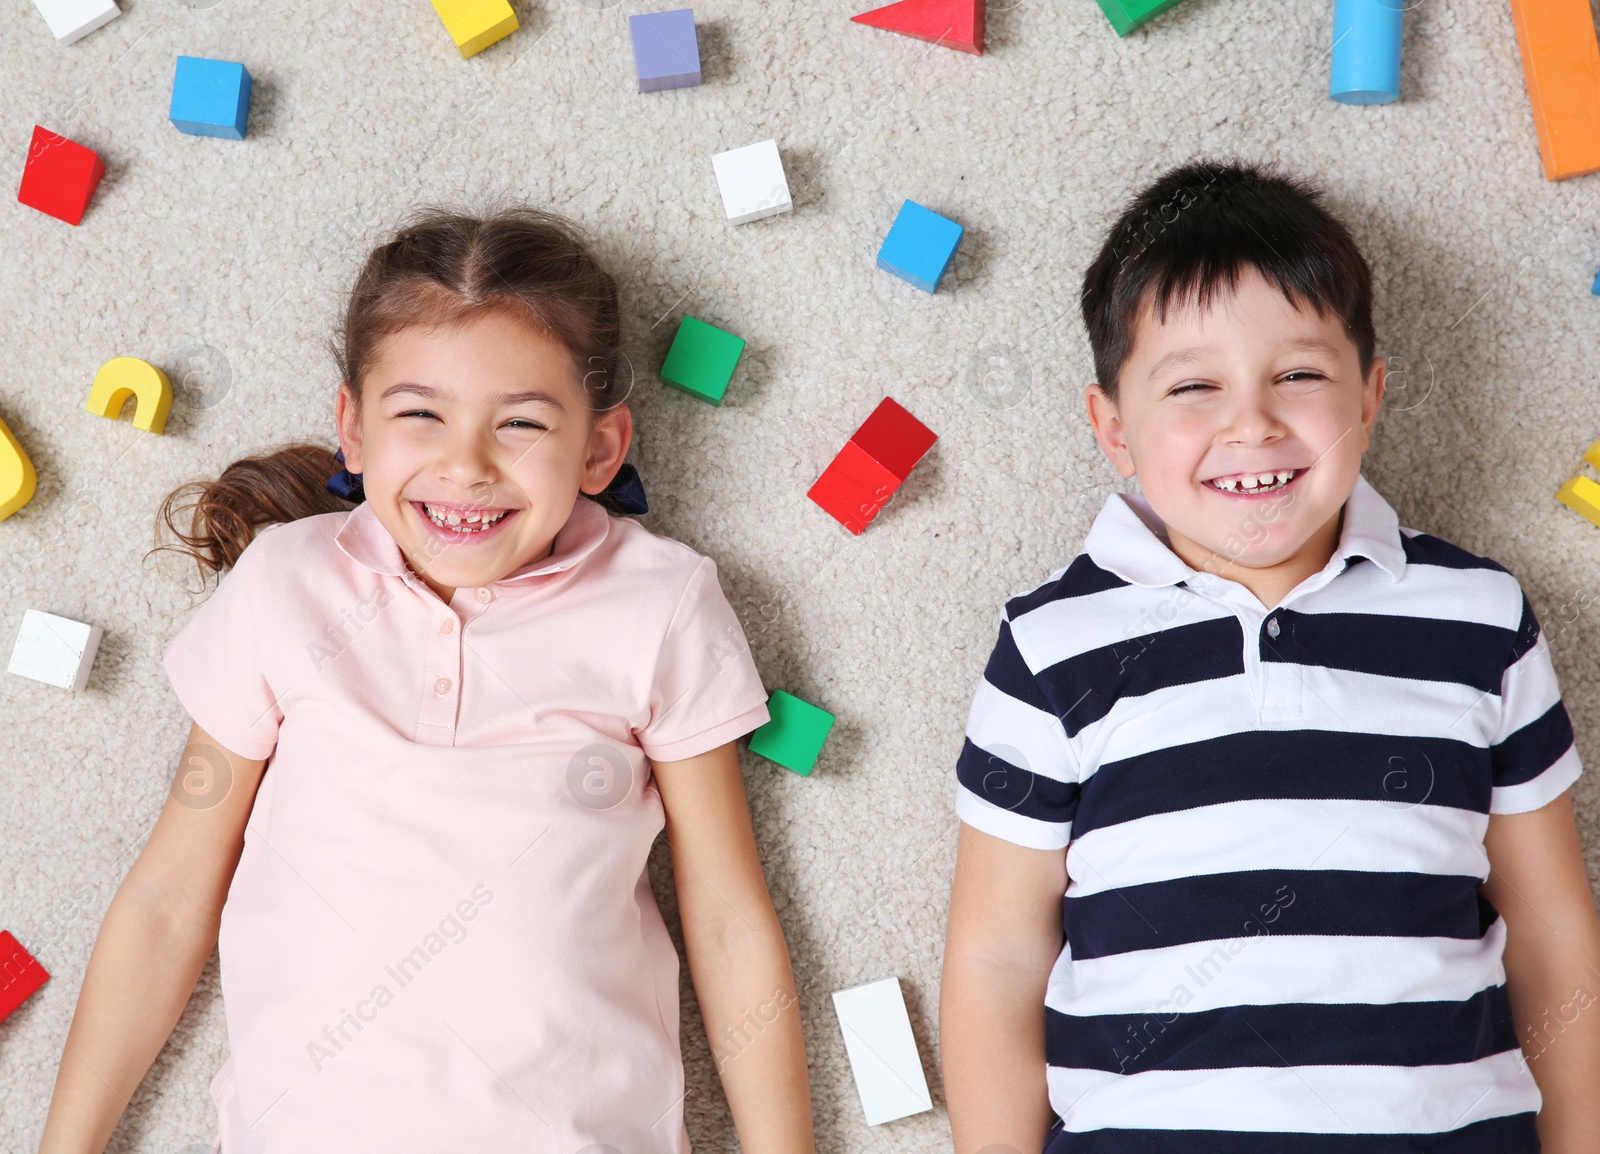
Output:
x,y
794,736
1126,15
701,360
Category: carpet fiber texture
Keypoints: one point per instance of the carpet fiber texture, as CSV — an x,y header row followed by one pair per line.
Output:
x,y
224,263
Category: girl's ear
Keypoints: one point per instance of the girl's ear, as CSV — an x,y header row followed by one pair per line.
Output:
x,y
608,447
347,415
1108,430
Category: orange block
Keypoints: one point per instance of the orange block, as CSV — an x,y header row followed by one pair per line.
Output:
x,y
1561,61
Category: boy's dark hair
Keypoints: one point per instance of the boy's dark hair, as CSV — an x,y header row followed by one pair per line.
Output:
x,y
1186,237
438,268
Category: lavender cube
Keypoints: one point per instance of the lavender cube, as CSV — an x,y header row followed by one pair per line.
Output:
x,y
666,51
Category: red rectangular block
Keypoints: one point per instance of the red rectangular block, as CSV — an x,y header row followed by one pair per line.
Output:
x,y
60,176
20,975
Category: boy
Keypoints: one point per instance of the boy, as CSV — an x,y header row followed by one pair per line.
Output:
x,y
1306,771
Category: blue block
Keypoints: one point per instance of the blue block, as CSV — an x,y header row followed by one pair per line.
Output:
x,y
666,50
1366,51
210,98
919,246
1595,288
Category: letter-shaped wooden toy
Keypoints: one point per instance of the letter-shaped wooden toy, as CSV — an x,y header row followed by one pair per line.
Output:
x,y
122,377
17,479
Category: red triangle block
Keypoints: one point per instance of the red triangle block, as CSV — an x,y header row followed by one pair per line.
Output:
x,y
956,24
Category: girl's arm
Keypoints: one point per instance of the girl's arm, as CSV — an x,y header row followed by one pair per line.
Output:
x,y
152,945
1004,937
1540,885
738,958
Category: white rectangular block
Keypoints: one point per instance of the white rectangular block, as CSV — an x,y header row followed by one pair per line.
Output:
x,y
883,1053
71,20
752,182
55,650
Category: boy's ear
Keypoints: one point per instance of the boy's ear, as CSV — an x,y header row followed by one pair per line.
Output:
x,y
1108,430
1372,397
348,419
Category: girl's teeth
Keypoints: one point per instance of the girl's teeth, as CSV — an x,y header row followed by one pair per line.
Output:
x,y
452,519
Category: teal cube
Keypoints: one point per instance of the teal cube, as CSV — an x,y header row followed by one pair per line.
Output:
x,y
794,736
701,360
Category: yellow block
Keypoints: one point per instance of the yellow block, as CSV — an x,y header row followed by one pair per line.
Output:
x,y
1582,495
1592,454
124,377
476,24
17,479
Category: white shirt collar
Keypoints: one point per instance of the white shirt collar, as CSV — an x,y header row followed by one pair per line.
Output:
x,y
1128,539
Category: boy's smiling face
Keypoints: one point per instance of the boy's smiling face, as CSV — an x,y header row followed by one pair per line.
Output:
x,y
487,419
1245,424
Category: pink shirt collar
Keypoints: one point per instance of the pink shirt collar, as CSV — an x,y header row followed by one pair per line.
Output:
x,y
364,539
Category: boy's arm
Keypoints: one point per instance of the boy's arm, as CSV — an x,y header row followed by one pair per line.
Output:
x,y
1540,885
1004,936
738,958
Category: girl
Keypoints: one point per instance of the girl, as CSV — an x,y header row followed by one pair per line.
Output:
x,y
470,703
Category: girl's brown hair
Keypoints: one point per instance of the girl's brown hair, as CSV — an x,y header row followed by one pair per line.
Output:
x,y
439,268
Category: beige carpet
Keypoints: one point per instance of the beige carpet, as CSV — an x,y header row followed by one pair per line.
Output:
x,y
362,109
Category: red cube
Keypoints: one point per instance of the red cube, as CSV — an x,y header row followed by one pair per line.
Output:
x,y
868,470
60,176
20,975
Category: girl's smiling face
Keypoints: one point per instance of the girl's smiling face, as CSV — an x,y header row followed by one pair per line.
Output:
x,y
1245,424
473,441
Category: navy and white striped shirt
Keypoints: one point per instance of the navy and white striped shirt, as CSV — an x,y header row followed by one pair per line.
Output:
x,y
1273,824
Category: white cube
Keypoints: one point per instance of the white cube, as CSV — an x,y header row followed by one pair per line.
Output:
x,y
55,650
71,20
883,1054
752,182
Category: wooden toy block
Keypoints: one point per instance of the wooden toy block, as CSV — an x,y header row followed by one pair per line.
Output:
x,y
1126,15
1561,63
919,246
701,360
476,24
882,1050
210,98
666,50
894,438
1581,495
72,20
17,478
1595,286
1366,51
20,975
752,182
1591,455
793,737
955,24
871,466
55,650
124,377
59,176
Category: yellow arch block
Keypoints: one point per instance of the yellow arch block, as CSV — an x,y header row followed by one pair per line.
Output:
x,y
17,478
122,377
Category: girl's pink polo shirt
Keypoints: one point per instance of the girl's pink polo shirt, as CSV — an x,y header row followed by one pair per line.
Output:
x,y
440,936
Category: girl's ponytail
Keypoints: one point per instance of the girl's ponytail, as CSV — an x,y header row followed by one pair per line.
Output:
x,y
440,267
223,516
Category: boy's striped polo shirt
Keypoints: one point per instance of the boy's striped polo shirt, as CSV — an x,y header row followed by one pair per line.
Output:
x,y
1273,824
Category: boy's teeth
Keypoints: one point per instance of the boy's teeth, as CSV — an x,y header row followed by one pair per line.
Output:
x,y
1251,482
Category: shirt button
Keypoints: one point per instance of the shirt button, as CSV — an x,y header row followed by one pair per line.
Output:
x,y
446,626
1272,627
483,596
442,686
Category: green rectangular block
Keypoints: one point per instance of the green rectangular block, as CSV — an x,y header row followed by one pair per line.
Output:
x,y
701,360
794,736
1126,15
